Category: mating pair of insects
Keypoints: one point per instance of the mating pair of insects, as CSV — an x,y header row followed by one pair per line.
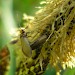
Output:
x,y
26,47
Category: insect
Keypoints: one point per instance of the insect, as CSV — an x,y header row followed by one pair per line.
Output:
x,y
25,43
26,46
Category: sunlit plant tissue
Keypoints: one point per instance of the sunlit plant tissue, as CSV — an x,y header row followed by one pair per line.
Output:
x,y
56,20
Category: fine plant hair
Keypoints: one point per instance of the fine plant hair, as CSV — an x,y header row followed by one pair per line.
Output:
x,y
56,20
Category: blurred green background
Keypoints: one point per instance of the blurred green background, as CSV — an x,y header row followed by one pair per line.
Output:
x,y
28,7
19,7
25,6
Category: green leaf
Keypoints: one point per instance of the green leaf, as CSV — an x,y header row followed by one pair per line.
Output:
x,y
50,70
69,71
12,60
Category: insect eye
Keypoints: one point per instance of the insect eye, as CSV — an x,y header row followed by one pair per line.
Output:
x,y
22,31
